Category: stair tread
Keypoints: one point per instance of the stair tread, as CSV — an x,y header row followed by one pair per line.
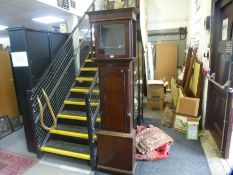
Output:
x,y
89,61
67,146
83,87
70,128
83,76
76,99
89,69
74,113
81,100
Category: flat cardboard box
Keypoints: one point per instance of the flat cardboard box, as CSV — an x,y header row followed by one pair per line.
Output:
x,y
180,122
155,89
155,104
188,106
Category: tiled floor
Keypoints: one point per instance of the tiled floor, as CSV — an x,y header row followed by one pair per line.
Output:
x,y
50,165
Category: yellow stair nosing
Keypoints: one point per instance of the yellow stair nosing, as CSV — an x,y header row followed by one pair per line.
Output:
x,y
84,79
71,134
94,104
73,117
89,69
89,61
83,90
65,153
82,103
67,102
92,52
79,90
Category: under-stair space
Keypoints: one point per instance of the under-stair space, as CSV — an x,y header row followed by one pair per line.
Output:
x,y
71,136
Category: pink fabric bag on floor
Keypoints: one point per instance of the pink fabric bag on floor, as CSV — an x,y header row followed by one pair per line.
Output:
x,y
152,143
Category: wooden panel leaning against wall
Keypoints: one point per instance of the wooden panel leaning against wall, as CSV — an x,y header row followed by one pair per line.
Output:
x,y
8,101
166,61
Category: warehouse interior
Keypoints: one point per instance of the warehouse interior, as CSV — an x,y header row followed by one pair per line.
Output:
x,y
116,87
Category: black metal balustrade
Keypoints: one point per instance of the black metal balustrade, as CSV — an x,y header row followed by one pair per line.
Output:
x,y
92,113
59,77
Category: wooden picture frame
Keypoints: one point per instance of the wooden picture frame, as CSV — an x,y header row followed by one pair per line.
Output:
x,y
5,127
180,122
15,123
192,130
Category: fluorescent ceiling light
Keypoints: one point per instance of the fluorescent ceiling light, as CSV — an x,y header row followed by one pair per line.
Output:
x,y
48,19
2,27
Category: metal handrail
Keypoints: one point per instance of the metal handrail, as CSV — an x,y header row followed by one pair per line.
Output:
x,y
212,80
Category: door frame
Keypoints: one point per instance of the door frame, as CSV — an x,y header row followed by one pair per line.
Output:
x,y
217,5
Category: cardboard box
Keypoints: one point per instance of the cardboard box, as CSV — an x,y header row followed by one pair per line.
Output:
x,y
188,106
192,130
180,122
155,104
155,89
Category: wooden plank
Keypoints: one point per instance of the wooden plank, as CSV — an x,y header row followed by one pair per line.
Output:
x,y
8,101
166,61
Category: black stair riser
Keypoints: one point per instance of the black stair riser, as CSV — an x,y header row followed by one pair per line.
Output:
x,y
75,107
71,122
87,73
69,139
77,95
83,84
91,64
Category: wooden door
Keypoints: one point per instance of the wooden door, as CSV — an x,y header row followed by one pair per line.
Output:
x,y
8,102
219,105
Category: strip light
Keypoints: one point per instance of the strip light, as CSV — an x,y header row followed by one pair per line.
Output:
x,y
48,19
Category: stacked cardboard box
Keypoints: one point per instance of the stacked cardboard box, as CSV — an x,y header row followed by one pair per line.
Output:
x,y
155,95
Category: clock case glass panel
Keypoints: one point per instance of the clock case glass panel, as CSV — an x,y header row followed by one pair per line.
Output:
x,y
112,39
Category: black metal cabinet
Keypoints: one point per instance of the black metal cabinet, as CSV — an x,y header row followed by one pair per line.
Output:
x,y
40,47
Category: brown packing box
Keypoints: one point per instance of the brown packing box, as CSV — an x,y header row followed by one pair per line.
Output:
x,y
155,104
188,106
155,89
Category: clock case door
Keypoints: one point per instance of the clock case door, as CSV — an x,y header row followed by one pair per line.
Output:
x,y
116,95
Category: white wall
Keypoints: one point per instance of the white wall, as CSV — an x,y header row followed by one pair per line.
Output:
x,y
197,34
199,37
167,14
81,6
